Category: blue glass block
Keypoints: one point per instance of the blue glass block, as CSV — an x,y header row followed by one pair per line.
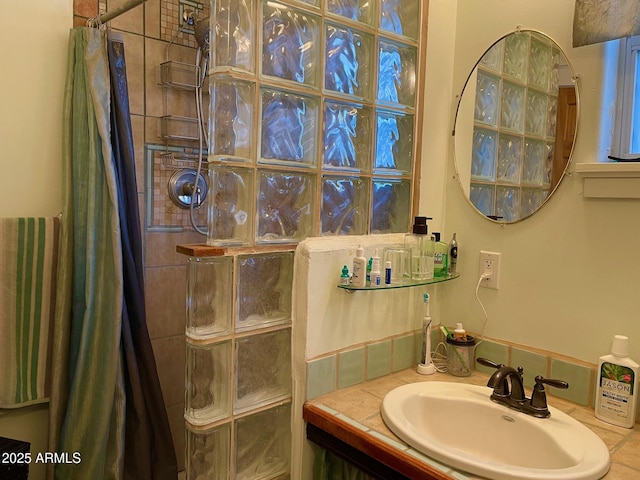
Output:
x,y
344,206
394,142
482,197
508,203
509,158
487,104
289,128
289,43
348,61
358,10
396,73
285,207
531,200
483,154
401,17
535,154
391,202
512,107
347,136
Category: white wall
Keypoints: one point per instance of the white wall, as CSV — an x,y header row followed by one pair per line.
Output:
x,y
569,276
34,37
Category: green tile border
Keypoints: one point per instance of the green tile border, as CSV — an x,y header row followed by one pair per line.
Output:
x,y
351,365
321,376
378,359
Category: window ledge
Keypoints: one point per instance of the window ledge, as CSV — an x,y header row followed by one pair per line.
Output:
x,y
610,180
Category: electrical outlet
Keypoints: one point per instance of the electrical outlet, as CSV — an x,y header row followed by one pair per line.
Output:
x,y
490,264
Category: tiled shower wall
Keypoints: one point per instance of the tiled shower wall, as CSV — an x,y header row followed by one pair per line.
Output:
x,y
151,38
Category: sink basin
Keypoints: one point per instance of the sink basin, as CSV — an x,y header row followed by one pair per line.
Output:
x,y
458,425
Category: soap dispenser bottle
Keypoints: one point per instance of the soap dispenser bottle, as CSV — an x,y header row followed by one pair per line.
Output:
x,y
420,246
617,383
440,257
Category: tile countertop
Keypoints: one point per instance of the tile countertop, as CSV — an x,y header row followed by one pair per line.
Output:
x,y
353,415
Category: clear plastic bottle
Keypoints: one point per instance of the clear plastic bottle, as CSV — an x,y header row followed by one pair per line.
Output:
x,y
421,247
617,382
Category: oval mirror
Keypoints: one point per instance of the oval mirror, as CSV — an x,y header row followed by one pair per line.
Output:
x,y
515,126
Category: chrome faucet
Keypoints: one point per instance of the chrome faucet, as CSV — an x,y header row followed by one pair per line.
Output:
x,y
508,389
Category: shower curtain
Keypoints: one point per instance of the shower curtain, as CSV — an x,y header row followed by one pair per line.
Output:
x,y
107,414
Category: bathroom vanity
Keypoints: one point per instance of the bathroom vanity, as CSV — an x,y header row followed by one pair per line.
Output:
x,y
348,423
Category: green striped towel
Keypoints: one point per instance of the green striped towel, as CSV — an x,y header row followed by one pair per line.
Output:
x,y
28,267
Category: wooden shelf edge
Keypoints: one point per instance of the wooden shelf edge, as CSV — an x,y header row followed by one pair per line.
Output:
x,y
204,250
397,460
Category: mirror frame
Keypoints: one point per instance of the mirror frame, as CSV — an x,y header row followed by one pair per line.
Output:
x,y
575,82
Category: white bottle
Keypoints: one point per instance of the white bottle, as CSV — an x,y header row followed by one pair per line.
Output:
x,y
375,275
617,382
359,271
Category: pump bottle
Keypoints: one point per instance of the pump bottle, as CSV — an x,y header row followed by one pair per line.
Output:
x,y
421,248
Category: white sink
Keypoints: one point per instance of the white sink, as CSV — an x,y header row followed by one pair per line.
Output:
x,y
460,426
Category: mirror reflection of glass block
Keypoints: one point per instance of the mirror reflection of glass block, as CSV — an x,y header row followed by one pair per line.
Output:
x,y
536,114
487,104
348,61
286,202
531,201
289,43
394,142
557,60
516,53
358,10
534,159
391,206
207,453
232,107
547,173
508,203
552,116
492,59
232,28
509,158
264,290
483,197
263,444
483,154
207,392
209,289
230,212
512,107
347,136
397,73
289,128
263,369
401,17
539,64
344,206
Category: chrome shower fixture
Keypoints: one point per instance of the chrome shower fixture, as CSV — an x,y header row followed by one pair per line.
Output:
x,y
183,189
202,33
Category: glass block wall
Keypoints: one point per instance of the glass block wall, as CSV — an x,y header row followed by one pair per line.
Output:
x,y
312,128
313,125
238,389
514,126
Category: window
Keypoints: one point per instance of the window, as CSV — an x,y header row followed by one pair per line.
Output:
x,y
626,142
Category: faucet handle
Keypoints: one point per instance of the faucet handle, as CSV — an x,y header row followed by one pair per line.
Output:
x,y
488,363
539,397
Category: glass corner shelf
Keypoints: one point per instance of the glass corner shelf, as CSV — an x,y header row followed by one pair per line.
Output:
x,y
407,284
